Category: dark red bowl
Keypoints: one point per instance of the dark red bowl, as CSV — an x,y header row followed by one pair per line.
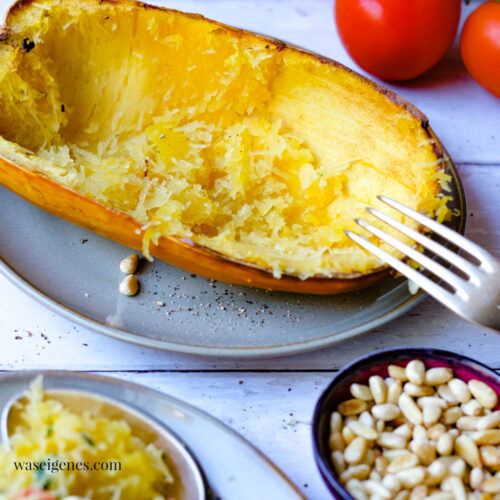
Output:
x,y
360,371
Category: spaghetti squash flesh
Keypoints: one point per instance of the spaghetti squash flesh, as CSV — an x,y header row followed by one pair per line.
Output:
x,y
257,151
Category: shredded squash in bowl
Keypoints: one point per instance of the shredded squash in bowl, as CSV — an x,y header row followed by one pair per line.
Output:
x,y
50,434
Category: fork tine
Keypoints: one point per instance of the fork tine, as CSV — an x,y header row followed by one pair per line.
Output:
x,y
475,250
445,253
458,283
422,281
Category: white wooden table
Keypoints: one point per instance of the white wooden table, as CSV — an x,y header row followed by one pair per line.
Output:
x,y
270,401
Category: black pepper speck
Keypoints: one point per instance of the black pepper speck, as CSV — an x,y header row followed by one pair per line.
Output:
x,y
28,45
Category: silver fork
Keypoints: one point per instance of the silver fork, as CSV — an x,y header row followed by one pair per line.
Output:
x,y
476,299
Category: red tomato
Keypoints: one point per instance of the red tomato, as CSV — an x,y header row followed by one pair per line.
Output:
x,y
480,45
397,39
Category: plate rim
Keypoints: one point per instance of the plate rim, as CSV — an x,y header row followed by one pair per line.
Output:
x,y
204,351
28,375
242,352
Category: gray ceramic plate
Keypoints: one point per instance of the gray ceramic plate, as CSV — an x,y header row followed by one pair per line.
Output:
x,y
233,467
75,273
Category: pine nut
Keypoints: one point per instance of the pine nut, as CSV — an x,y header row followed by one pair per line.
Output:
x,y
417,390
446,485
381,464
458,468
415,371
348,435
476,478
404,430
338,461
491,485
473,408
335,422
129,264
129,286
378,388
336,441
445,392
448,461
350,418
467,423
380,425
357,494
483,393
360,391
354,483
398,373
356,450
441,495
445,444
451,415
460,390
369,458
435,432
489,436
426,452
394,453
477,496
489,421
352,407
394,391
376,488
361,471
356,489
402,495
392,482
365,418
438,376
391,440
490,456
419,433
410,410
468,450
419,492
432,400
436,473
411,477
457,488
431,414
363,430
385,412
403,462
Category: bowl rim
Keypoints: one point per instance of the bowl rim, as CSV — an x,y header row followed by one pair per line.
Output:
x,y
412,351
198,486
